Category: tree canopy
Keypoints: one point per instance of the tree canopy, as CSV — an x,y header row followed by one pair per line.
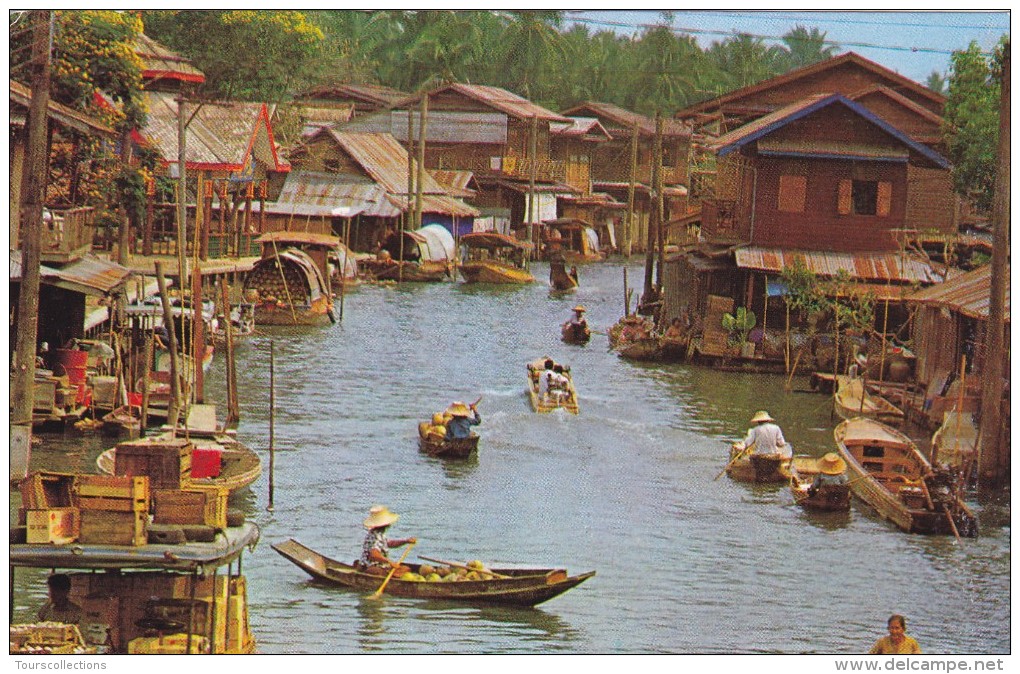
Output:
x,y
971,118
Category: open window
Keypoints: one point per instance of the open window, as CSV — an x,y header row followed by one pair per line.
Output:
x,y
865,197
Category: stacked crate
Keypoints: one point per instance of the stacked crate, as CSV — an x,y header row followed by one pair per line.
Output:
x,y
193,505
165,461
114,509
48,512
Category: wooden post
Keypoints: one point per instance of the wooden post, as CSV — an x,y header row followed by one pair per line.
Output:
x,y
422,123
629,241
533,169
168,320
34,194
233,414
182,196
626,294
201,226
343,269
149,348
653,223
660,233
272,423
994,456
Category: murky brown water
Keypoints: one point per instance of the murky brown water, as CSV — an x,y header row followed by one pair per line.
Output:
x,y
685,564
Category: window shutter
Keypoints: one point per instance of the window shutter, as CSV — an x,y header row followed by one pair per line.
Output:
x,y
792,193
845,202
884,199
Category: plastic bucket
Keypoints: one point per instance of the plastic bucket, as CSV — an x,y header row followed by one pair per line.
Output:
x,y
70,362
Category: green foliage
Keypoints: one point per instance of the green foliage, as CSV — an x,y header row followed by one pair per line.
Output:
x,y
739,324
971,118
838,297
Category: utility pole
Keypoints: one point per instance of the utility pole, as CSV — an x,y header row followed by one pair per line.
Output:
x,y
33,192
994,456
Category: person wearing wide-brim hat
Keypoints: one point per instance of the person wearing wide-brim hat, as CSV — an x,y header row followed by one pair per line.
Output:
x,y
765,437
578,320
462,418
831,471
376,547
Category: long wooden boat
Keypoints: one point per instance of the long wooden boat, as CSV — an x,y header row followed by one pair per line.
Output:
x,y
523,587
446,448
573,333
827,497
239,465
560,279
491,257
890,474
759,468
645,348
541,403
851,400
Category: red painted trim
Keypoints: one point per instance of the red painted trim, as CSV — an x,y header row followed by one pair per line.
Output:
x,y
172,75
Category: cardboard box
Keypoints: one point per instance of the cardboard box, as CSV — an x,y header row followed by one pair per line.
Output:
x,y
166,461
106,527
59,526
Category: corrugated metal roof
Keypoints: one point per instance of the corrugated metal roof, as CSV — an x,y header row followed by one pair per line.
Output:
x,y
455,182
89,275
311,238
516,106
440,203
886,267
370,93
968,293
442,126
160,63
619,121
383,158
307,193
580,127
763,126
22,96
219,136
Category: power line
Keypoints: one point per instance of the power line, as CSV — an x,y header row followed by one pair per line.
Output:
x,y
779,38
809,16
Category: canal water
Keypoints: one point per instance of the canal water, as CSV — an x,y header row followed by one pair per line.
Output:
x,y
686,563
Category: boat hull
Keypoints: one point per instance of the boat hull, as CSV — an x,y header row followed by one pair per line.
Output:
x,y
852,401
888,473
572,333
524,587
492,271
757,468
459,448
826,498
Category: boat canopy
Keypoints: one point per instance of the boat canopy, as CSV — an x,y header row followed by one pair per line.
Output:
x,y
493,240
299,238
431,243
296,258
227,546
342,257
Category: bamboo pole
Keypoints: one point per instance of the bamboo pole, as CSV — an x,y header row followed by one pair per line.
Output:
x,y
182,196
232,411
343,269
660,229
765,311
283,277
423,117
629,241
653,223
272,424
532,176
173,411
149,348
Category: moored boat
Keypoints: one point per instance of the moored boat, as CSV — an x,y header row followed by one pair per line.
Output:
x,y
889,473
575,333
825,497
506,587
287,288
955,443
491,257
424,255
542,402
852,400
747,466
560,280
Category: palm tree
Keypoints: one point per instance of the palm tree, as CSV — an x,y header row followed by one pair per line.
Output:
x,y
936,82
532,49
805,47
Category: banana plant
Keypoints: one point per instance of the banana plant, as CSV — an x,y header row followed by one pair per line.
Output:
x,y
739,324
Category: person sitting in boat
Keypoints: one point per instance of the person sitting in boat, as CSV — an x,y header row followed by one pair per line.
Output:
x,y
546,378
675,331
765,437
831,471
161,338
59,608
574,275
578,321
558,384
375,549
897,643
859,366
462,418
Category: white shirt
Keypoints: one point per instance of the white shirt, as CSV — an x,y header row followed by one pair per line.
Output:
x,y
768,439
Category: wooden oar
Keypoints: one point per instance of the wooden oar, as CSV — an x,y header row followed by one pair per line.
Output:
x,y
463,566
736,458
389,575
952,524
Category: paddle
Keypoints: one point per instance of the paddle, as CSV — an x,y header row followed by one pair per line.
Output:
x,y
378,593
742,453
462,566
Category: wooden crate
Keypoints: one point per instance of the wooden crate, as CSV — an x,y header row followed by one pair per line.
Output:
x,y
171,644
59,526
194,505
166,461
43,489
124,493
107,527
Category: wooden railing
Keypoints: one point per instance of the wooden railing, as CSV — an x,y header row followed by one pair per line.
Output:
x,y
620,173
545,169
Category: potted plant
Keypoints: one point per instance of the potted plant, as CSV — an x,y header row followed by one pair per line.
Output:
x,y
739,324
